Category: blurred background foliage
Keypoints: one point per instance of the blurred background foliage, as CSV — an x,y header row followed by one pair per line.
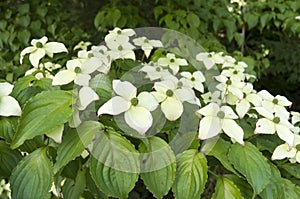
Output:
x,y
263,33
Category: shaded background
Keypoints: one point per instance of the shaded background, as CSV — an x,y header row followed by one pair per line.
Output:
x,y
263,33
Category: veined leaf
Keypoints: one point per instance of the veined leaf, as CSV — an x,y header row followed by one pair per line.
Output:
x,y
8,159
274,188
158,166
33,176
245,159
43,113
114,164
8,127
74,143
290,190
73,189
226,189
191,175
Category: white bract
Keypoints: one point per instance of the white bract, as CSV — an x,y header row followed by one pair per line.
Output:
x,y
194,80
250,97
210,59
275,104
118,35
147,45
285,151
274,122
295,117
155,71
217,119
137,108
40,48
172,62
171,98
9,106
233,86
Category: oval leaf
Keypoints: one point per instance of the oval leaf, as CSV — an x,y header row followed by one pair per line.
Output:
x,y
33,176
274,188
191,175
8,159
74,143
158,166
244,159
226,189
43,113
114,164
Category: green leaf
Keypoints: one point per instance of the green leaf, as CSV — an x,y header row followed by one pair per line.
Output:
x,y
8,126
265,18
8,159
114,164
43,113
293,169
251,19
219,149
99,19
274,188
74,143
33,176
191,175
24,36
158,166
226,189
73,189
290,190
230,28
245,159
244,187
193,20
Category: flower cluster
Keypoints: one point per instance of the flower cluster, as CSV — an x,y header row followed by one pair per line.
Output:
x,y
174,82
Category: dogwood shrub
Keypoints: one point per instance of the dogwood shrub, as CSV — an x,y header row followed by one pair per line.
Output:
x,y
149,107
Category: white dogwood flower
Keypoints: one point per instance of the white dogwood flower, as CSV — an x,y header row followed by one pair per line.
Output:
x,y
250,97
118,35
155,71
210,59
172,62
40,48
9,106
274,122
233,86
295,117
275,104
285,151
137,108
147,45
122,50
171,98
217,119
194,80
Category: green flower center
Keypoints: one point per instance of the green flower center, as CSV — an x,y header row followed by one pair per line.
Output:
x,y
298,147
276,120
235,72
275,101
169,93
179,84
229,82
39,45
193,79
101,51
90,55
120,48
77,69
157,69
221,114
209,55
172,60
146,41
119,32
134,101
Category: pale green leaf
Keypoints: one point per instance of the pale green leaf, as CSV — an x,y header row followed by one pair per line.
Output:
x,y
43,113
191,175
33,176
158,166
74,142
226,189
114,164
73,189
244,159
291,191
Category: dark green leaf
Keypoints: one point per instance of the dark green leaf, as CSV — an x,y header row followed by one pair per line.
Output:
x,y
8,159
33,176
